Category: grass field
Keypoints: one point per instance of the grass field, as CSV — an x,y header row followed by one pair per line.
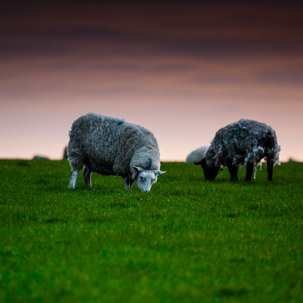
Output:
x,y
188,240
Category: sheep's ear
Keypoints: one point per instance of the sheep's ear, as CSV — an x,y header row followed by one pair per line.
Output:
x,y
137,169
159,172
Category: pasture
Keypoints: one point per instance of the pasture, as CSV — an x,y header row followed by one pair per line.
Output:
x,y
187,240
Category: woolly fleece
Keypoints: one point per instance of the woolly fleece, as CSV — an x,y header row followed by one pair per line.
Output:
x,y
111,146
243,142
197,154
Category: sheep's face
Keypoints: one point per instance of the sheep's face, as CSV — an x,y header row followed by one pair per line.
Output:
x,y
146,178
210,170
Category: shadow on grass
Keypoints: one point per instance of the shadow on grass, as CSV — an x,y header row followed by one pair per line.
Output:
x,y
95,220
228,292
50,220
23,163
231,215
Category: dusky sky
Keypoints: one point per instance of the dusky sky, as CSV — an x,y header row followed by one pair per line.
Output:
x,y
182,69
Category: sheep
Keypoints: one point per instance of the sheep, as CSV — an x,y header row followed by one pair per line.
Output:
x,y
40,157
196,155
111,146
64,153
239,144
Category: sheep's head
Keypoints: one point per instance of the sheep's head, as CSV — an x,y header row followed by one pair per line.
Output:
x,y
146,178
210,169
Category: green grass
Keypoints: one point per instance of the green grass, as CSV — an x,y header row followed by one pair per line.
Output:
x,y
188,240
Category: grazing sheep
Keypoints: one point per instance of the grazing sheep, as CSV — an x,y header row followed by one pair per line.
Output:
x,y
196,155
65,153
39,157
243,143
111,146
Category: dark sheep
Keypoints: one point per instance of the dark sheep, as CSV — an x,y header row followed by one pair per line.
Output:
x,y
243,143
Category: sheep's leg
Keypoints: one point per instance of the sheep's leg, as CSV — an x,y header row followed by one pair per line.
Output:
x,y
270,168
235,168
128,182
249,171
232,171
87,177
73,179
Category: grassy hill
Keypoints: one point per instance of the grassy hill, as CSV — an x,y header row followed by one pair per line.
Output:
x,y
187,240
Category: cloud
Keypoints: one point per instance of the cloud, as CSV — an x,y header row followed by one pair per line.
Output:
x,y
233,32
157,50
291,76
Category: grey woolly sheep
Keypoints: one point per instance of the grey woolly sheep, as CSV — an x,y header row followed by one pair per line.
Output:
x,y
243,143
196,155
111,146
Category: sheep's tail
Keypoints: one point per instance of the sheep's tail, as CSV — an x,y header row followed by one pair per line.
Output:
x,y
271,144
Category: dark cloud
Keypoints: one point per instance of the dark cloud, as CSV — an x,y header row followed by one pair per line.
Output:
x,y
289,76
182,29
156,38
111,42
139,68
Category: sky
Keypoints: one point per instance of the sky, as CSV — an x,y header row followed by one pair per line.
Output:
x,y
182,69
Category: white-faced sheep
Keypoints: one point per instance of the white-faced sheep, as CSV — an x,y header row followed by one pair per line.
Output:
x,y
111,146
243,143
196,155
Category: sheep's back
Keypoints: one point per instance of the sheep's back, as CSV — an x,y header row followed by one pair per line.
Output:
x,y
107,144
242,142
